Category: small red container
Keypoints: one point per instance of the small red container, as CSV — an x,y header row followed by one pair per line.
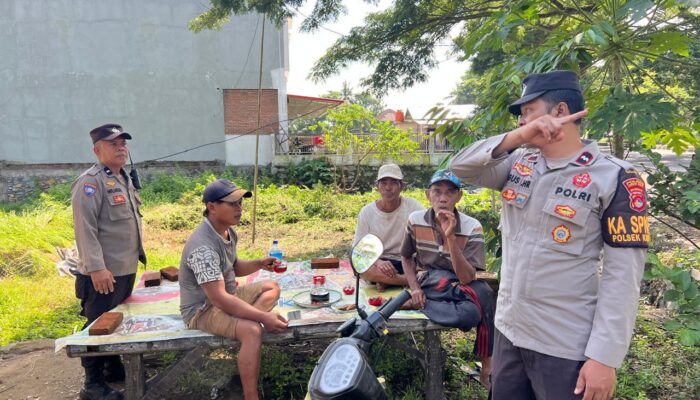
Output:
x,y
349,289
280,269
319,280
376,301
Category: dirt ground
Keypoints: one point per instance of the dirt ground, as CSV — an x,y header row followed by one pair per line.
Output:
x,y
32,370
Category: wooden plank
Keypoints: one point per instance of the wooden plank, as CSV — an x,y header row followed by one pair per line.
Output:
x,y
418,355
435,358
294,334
163,382
135,382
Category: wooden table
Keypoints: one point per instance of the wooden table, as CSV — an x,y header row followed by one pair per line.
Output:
x,y
432,360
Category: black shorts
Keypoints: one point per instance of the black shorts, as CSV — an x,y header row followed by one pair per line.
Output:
x,y
397,265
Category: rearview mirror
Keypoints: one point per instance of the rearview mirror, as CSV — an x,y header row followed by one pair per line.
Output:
x,y
365,253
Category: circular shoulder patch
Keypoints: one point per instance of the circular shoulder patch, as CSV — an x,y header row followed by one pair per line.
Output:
x,y
89,189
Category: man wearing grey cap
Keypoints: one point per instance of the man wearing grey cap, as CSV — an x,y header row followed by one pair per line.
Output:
x,y
108,234
209,297
386,218
562,327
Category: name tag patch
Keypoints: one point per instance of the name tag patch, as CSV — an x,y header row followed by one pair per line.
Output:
x,y
119,199
89,189
561,234
524,182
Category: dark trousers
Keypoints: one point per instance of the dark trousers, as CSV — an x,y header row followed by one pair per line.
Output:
x,y
528,375
95,304
398,266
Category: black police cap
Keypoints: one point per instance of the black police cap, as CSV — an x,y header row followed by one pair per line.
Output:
x,y
108,132
535,85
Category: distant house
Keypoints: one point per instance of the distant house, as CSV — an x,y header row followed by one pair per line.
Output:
x,y
418,120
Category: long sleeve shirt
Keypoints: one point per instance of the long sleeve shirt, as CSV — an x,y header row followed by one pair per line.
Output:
x,y
559,219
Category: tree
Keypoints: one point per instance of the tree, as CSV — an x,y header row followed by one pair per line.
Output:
x,y
607,42
365,99
354,134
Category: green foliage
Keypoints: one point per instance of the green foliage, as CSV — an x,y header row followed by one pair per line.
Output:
x,y
308,173
656,367
285,374
684,292
675,194
353,133
365,99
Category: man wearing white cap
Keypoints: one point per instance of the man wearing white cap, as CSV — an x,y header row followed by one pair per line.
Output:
x,y
386,218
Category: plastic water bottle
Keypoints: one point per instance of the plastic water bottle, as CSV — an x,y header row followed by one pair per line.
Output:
x,y
275,250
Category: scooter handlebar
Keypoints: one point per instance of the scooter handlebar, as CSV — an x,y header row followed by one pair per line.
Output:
x,y
394,304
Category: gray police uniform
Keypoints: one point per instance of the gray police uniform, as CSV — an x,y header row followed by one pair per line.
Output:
x,y
107,222
108,232
558,217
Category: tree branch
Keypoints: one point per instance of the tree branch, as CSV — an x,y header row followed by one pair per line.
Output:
x,y
676,230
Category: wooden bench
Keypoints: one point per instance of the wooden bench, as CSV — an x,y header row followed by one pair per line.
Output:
x,y
136,386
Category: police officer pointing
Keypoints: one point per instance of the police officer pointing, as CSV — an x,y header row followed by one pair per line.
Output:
x,y
562,327
108,234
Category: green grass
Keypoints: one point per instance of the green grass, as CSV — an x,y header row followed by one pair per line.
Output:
x,y
37,308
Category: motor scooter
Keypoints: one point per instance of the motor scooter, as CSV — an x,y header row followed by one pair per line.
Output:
x,y
343,371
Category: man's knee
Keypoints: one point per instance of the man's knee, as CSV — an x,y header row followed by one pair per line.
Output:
x,y
272,288
373,274
249,332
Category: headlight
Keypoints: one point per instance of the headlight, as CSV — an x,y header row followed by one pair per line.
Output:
x,y
340,367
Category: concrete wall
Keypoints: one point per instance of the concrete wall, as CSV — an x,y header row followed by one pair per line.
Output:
x,y
67,66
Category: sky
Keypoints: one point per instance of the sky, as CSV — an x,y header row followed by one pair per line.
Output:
x,y
306,48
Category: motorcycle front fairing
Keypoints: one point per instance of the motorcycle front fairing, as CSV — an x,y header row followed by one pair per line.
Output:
x,y
343,373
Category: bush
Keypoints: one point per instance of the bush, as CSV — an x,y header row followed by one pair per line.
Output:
x,y
307,173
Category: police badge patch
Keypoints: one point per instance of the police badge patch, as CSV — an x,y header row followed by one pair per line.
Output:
x,y
582,180
508,194
636,190
561,234
89,189
625,223
584,158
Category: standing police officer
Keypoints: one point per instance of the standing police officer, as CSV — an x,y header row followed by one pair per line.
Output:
x,y
109,238
563,327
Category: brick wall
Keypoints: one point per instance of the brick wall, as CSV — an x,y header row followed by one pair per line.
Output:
x,y
241,110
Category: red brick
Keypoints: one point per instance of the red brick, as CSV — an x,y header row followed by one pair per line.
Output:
x,y
106,323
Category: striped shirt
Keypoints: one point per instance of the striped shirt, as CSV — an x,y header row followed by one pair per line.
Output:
x,y
422,241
